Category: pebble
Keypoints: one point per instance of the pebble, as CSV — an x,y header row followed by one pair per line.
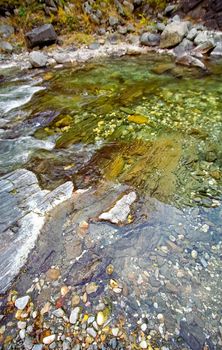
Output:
x,y
58,313
74,315
22,333
75,300
37,347
91,332
143,344
160,317
22,302
2,330
194,254
21,325
109,269
91,288
115,331
49,339
53,274
143,327
64,290
100,319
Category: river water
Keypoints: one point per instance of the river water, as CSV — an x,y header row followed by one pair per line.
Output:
x,y
132,124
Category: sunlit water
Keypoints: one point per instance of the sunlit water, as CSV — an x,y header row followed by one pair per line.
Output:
x,y
157,128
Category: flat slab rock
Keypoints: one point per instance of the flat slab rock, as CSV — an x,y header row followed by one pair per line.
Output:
x,y
23,209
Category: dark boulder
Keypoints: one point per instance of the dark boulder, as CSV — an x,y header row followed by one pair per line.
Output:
x,y
194,336
41,36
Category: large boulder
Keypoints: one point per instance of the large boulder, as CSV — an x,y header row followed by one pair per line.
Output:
x,y
41,36
24,208
173,34
6,47
6,30
150,39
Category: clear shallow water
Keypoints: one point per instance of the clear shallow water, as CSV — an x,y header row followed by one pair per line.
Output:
x,y
157,128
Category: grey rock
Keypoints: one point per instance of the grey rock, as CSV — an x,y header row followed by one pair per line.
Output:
x,y
66,345
6,30
37,347
22,302
129,6
94,18
160,26
23,209
188,60
173,34
122,30
192,34
119,7
130,28
204,47
38,59
176,18
101,31
94,46
58,313
28,343
185,46
169,9
62,58
150,39
41,36
113,21
6,47
194,336
217,51
201,38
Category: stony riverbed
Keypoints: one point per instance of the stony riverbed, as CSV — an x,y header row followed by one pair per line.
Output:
x,y
132,259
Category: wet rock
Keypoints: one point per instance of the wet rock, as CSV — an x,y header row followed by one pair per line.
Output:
x,y
53,274
38,59
194,336
6,47
23,202
188,60
22,302
62,58
37,347
6,30
41,36
150,39
173,34
74,315
49,339
91,288
192,34
120,210
217,51
185,46
205,47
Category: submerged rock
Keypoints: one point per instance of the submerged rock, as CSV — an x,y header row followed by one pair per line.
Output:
x,y
188,60
121,209
23,209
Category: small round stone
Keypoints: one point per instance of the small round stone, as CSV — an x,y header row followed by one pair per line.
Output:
x,y
49,339
194,254
22,302
143,344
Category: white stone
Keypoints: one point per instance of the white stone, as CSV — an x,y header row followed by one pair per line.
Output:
x,y
74,315
194,254
143,344
38,59
115,331
21,325
22,302
22,333
50,339
143,327
91,332
121,209
37,347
